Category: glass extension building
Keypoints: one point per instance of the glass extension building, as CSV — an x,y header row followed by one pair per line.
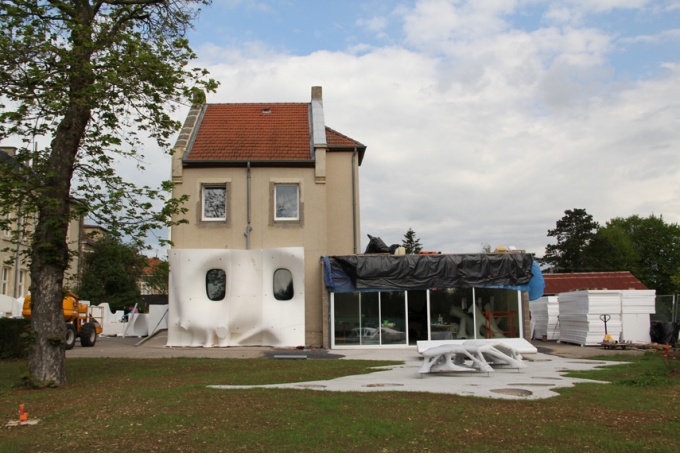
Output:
x,y
383,300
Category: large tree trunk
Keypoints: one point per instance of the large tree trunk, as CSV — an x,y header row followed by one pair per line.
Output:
x,y
50,254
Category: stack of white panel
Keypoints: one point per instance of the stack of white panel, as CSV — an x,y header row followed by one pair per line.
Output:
x,y
539,317
581,315
553,318
639,301
636,307
544,318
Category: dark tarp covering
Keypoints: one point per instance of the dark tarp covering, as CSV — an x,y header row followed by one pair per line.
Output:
x,y
419,271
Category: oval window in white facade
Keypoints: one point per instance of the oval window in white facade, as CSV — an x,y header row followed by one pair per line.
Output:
x,y
216,284
283,284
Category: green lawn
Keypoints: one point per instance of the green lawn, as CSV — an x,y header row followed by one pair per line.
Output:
x,y
125,405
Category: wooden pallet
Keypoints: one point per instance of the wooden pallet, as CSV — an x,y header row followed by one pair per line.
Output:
x,y
613,345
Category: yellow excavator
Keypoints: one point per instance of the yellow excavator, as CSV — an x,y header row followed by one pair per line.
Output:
x,y
79,322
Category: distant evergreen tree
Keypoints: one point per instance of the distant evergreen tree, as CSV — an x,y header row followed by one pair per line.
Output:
x,y
411,243
574,233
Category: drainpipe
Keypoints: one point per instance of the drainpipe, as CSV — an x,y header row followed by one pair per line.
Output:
x,y
248,227
17,254
354,203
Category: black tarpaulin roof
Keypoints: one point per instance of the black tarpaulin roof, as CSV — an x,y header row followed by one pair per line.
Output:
x,y
419,271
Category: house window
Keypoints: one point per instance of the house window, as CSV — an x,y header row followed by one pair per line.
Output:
x,y
287,202
4,282
23,275
216,284
7,230
215,202
283,284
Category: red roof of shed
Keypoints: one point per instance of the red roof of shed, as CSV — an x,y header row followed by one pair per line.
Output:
x,y
556,283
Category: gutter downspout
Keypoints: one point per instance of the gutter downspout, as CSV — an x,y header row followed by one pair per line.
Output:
x,y
248,227
354,202
17,253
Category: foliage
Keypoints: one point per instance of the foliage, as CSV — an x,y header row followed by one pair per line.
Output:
x,y
612,249
93,78
574,233
411,243
15,338
646,246
112,273
158,276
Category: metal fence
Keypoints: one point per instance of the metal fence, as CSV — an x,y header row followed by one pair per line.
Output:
x,y
666,308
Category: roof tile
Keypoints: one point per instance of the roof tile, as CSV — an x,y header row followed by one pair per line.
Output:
x,y
258,132
253,132
556,283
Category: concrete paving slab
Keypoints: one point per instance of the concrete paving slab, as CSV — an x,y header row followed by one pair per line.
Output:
x,y
543,374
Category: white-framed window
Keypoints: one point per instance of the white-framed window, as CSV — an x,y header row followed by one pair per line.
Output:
x,y
7,231
286,202
21,285
4,281
214,198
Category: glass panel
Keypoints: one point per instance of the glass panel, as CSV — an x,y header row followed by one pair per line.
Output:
x,y
287,202
283,284
451,314
497,311
393,317
369,330
417,316
216,284
347,317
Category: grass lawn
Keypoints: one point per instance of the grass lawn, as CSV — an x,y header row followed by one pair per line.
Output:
x,y
126,405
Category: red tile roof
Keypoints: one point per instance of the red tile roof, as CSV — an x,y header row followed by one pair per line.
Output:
x,y
556,283
151,264
258,132
336,139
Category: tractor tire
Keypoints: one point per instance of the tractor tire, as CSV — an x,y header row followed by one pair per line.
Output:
x,y
88,335
70,339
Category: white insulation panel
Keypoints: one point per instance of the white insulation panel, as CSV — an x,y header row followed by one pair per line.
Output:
x,y
248,314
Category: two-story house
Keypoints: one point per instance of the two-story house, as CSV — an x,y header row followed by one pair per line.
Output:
x,y
271,189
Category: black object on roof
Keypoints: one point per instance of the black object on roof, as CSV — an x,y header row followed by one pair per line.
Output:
x,y
418,271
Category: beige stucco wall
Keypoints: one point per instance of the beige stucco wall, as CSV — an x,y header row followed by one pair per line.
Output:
x,y
343,203
325,227
12,286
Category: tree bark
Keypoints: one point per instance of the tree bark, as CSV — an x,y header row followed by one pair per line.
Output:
x,y
50,254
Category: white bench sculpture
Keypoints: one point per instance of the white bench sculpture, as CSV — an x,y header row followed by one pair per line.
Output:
x,y
482,354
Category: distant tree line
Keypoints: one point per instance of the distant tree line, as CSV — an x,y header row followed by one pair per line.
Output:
x,y
648,247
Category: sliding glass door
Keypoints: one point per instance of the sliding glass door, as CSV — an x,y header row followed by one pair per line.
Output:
x,y
405,317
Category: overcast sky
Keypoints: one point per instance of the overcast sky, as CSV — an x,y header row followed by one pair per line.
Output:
x,y
483,120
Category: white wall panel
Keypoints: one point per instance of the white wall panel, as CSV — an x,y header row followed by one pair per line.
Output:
x,y
248,314
283,321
